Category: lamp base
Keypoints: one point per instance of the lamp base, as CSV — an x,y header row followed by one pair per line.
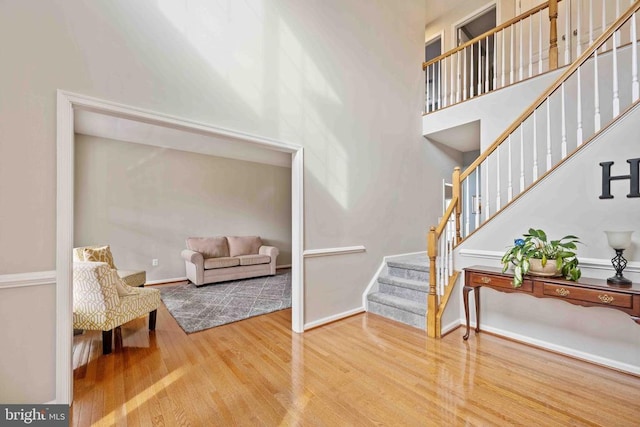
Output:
x,y
618,281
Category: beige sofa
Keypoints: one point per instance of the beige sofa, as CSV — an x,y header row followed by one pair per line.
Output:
x,y
217,259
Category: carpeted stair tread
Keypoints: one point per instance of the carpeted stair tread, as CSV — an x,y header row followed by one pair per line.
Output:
x,y
416,263
417,285
400,303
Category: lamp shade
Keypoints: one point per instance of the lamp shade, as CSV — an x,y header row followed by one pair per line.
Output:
x,y
619,239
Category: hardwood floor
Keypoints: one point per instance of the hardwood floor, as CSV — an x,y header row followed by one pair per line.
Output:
x,y
363,370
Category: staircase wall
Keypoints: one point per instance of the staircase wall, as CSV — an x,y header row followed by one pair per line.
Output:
x,y
567,202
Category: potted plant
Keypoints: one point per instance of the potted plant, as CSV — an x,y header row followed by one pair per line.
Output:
x,y
534,250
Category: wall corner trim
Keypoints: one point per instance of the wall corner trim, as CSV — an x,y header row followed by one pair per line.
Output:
x,y
311,253
21,280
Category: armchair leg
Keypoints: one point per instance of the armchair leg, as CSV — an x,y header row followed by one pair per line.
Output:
x,y
107,338
152,320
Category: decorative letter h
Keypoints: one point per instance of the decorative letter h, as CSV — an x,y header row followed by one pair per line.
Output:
x,y
633,177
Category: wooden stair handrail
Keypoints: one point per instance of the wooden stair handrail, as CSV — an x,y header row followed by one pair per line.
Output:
x,y
551,89
486,34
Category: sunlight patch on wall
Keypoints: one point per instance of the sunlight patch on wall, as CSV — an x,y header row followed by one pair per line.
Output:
x,y
307,104
228,36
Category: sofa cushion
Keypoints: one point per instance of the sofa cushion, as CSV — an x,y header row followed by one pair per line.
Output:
x,y
254,259
220,262
244,245
209,247
98,254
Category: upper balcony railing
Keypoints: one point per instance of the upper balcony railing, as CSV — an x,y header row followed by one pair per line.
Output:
x,y
518,49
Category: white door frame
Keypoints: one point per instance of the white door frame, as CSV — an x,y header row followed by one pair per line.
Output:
x,y
67,102
470,17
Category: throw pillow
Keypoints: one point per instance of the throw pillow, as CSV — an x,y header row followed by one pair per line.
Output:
x,y
243,245
101,254
209,247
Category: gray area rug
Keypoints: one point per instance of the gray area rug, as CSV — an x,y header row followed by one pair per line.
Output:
x,y
204,307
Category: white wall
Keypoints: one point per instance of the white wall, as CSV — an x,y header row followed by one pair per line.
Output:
x,y
341,78
567,202
145,201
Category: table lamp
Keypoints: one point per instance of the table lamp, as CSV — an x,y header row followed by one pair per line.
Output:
x,y
619,241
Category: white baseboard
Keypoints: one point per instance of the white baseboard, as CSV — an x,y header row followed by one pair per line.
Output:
x,y
333,318
450,327
406,254
278,267
163,281
21,280
567,351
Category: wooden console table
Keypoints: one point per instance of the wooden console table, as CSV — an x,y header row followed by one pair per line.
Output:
x,y
586,292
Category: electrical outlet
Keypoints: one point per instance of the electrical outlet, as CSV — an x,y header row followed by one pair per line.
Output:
x,y
154,262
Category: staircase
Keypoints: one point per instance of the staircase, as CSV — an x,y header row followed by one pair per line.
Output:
x,y
577,108
402,291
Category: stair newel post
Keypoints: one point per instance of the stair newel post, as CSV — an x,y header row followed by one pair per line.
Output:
x,y
553,34
457,186
432,298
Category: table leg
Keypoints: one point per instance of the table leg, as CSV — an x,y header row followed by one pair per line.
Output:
x,y
465,300
476,294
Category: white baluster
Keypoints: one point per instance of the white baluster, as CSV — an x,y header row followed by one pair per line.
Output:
x,y
539,42
596,93
472,74
511,58
478,199
453,82
521,157
579,107
486,66
579,30
459,77
563,123
485,197
503,73
479,68
444,79
548,134
567,36
567,33
530,45
464,74
616,97
450,264
535,147
510,172
439,85
427,108
495,61
520,71
635,88
498,201
467,207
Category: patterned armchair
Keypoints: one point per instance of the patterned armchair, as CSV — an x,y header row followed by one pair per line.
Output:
x,y
101,301
103,254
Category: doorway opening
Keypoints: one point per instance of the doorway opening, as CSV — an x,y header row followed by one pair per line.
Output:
x,y
68,105
478,57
